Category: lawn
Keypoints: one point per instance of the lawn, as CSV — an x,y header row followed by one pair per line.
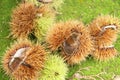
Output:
x,y
83,10
6,7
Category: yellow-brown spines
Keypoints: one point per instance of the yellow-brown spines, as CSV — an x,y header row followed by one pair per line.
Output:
x,y
11,51
104,53
45,10
104,31
57,34
70,35
22,22
106,39
101,21
34,61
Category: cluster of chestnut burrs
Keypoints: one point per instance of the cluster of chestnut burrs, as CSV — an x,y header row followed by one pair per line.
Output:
x,y
104,30
71,40
77,41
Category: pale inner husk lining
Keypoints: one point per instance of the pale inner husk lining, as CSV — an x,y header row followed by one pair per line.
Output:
x,y
21,55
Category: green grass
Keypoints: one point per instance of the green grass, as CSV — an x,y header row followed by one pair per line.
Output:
x,y
84,10
6,7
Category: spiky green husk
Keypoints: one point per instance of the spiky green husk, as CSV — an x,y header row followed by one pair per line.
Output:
x,y
47,19
43,24
55,69
57,4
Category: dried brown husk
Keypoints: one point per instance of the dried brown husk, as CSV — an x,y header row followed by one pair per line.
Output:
x,y
35,58
22,22
61,31
103,54
109,36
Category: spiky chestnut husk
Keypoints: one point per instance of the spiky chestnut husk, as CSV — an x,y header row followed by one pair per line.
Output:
x,y
45,21
107,39
57,4
11,51
22,22
58,34
109,35
54,69
103,54
35,58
